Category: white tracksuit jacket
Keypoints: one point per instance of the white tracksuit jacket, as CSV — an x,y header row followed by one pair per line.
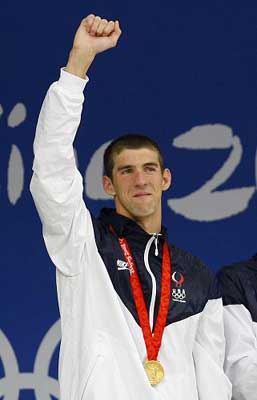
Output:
x,y
102,348
239,290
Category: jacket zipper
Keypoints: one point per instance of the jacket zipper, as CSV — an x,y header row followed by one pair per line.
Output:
x,y
146,261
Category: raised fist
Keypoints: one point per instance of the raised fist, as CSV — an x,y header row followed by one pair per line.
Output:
x,y
93,36
97,34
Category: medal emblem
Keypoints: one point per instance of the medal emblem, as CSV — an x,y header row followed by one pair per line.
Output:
x,y
154,371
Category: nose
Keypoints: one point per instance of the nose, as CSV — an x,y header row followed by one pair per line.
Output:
x,y
139,178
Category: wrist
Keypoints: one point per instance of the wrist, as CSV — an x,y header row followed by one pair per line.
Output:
x,y
79,62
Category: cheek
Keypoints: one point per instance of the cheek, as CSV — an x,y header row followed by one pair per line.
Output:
x,y
158,185
122,190
124,185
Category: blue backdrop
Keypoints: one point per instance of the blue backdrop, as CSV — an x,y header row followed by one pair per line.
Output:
x,y
184,73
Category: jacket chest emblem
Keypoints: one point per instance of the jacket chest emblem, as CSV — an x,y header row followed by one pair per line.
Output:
x,y
178,293
122,265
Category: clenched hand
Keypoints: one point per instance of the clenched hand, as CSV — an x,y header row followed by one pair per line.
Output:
x,y
93,36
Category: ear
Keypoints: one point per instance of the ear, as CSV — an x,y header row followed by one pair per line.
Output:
x,y
108,186
166,179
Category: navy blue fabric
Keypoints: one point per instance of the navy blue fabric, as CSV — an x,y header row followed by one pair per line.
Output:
x,y
238,284
199,284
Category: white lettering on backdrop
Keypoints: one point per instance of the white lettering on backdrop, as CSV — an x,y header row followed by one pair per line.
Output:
x,y
205,204
15,172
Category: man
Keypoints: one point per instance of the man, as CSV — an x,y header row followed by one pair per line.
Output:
x,y
239,290
140,320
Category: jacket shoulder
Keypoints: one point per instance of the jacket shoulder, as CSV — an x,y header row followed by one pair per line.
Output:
x,y
238,282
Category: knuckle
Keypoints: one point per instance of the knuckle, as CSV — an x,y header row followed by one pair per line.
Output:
x,y
88,19
107,30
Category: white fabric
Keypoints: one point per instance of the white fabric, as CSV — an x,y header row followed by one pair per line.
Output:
x,y
102,349
241,351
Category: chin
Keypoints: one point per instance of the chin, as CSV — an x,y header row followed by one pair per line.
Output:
x,y
143,212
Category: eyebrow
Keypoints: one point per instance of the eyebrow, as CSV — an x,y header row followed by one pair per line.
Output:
x,y
148,164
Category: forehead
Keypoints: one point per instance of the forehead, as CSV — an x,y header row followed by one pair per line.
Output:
x,y
136,157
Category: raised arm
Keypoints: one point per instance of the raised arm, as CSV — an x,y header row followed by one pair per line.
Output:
x,y
56,184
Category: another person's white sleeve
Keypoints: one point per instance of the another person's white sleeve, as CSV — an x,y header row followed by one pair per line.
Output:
x,y
209,353
241,352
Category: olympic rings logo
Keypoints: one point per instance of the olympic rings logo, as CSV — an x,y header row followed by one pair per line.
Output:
x,y
43,385
179,295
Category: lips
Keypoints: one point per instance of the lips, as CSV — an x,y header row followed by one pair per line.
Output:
x,y
141,194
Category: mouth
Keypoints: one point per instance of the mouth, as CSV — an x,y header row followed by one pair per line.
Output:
x,y
141,194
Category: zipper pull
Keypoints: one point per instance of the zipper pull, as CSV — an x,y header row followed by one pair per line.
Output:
x,y
156,252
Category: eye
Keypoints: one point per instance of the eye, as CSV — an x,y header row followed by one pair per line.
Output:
x,y
126,171
150,168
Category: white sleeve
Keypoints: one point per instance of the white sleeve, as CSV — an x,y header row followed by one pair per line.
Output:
x,y
241,351
209,352
56,185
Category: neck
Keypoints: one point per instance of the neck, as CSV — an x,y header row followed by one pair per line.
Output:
x,y
148,226
150,223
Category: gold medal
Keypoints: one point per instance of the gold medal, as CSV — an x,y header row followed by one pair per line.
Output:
x,y
152,366
154,371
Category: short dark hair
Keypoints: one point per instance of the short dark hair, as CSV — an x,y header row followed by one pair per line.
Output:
x,y
129,141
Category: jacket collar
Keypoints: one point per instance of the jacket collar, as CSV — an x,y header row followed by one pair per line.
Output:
x,y
124,226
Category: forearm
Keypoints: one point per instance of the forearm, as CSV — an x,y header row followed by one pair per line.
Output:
x,y
56,184
57,125
79,62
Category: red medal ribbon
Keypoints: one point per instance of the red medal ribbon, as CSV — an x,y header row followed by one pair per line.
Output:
x,y
152,341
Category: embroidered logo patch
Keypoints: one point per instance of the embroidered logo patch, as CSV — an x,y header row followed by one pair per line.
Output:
x,y
122,265
178,278
178,293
